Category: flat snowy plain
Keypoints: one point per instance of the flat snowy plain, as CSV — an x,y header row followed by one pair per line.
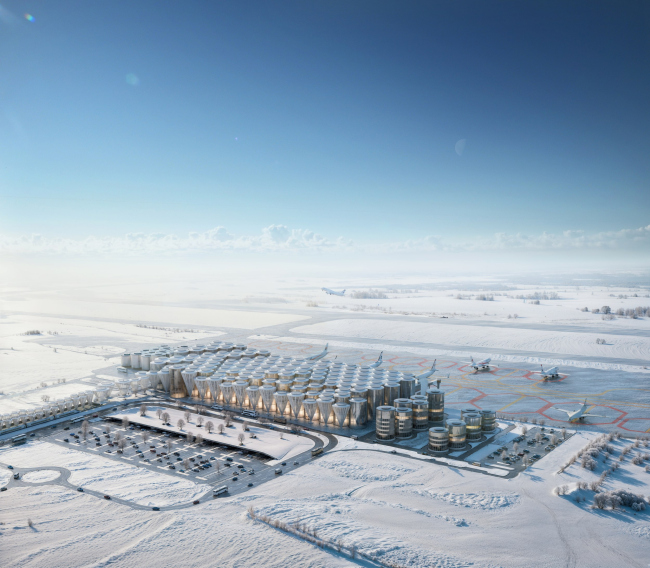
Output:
x,y
399,510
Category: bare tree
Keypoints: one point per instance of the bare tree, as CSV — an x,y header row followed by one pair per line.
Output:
x,y
515,448
169,445
190,437
538,437
281,435
200,420
159,412
504,455
135,387
125,422
85,427
180,423
564,433
217,466
144,436
220,428
240,439
186,463
209,426
117,437
121,444
187,415
228,420
166,417
524,430
542,422
108,429
199,438
554,439
30,523
143,410
245,426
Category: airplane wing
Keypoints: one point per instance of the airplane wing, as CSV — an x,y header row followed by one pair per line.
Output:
x,y
595,415
568,412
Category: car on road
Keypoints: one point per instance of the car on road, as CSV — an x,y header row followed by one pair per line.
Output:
x,y
66,440
278,471
80,489
250,485
284,463
10,467
155,508
107,497
196,502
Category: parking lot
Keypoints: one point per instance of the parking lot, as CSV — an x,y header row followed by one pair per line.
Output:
x,y
519,449
173,454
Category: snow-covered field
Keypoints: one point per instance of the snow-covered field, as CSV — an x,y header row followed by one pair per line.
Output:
x,y
266,441
400,511
128,482
238,319
485,337
41,476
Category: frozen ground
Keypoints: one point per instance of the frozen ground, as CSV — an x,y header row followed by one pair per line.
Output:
x,y
127,482
386,506
41,476
485,337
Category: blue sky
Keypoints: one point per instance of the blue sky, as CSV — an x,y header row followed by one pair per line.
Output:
x,y
342,118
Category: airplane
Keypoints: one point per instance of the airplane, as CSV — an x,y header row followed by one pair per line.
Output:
x,y
422,378
319,355
552,373
378,361
333,292
483,365
580,414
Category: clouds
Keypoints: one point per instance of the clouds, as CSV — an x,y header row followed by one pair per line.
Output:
x,y
272,239
624,240
280,238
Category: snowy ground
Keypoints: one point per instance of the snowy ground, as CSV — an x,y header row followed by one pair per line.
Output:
x,y
266,441
486,337
128,482
398,508
386,506
41,476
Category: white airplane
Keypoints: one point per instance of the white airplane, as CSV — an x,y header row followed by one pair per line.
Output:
x,y
483,365
578,415
378,361
319,355
422,378
333,292
552,373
